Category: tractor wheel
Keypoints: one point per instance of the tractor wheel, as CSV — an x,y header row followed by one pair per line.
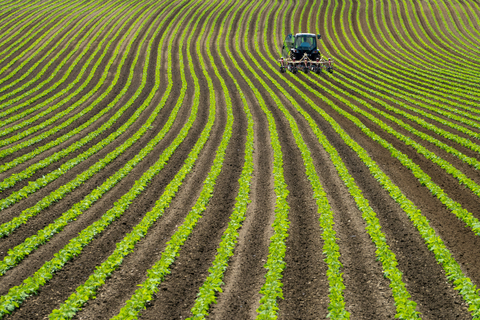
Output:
x,y
330,70
282,69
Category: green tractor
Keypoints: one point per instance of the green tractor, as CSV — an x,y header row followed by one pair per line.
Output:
x,y
299,52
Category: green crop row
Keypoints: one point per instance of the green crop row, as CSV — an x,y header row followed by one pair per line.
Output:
x,y
9,182
41,182
466,216
9,227
31,285
464,285
51,61
65,137
405,307
428,66
330,248
10,15
19,42
434,66
424,179
393,90
435,80
57,28
424,25
445,90
462,50
78,102
157,273
473,46
87,290
272,288
36,107
213,282
437,73
465,142
18,17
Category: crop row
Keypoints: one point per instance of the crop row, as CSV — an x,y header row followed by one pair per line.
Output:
x,y
212,284
50,62
65,137
46,57
405,307
394,91
433,79
443,90
57,195
157,273
330,248
43,181
418,59
17,294
19,252
272,288
24,39
451,267
57,28
79,102
75,146
87,290
447,87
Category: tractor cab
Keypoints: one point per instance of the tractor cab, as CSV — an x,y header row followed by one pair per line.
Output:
x,y
295,46
299,52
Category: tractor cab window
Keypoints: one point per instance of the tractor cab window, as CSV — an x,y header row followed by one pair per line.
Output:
x,y
305,42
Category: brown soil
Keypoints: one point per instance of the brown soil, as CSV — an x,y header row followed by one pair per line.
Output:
x,y
305,284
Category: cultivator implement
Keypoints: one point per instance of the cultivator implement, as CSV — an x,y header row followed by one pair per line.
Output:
x,y
305,64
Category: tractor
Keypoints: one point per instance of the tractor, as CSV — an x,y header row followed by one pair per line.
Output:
x,y
299,52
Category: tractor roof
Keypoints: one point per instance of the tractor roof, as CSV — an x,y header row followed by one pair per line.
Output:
x,y
305,34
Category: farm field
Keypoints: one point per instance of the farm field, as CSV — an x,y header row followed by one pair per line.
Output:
x,y
156,164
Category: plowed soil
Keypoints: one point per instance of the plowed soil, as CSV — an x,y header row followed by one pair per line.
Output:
x,y
368,53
